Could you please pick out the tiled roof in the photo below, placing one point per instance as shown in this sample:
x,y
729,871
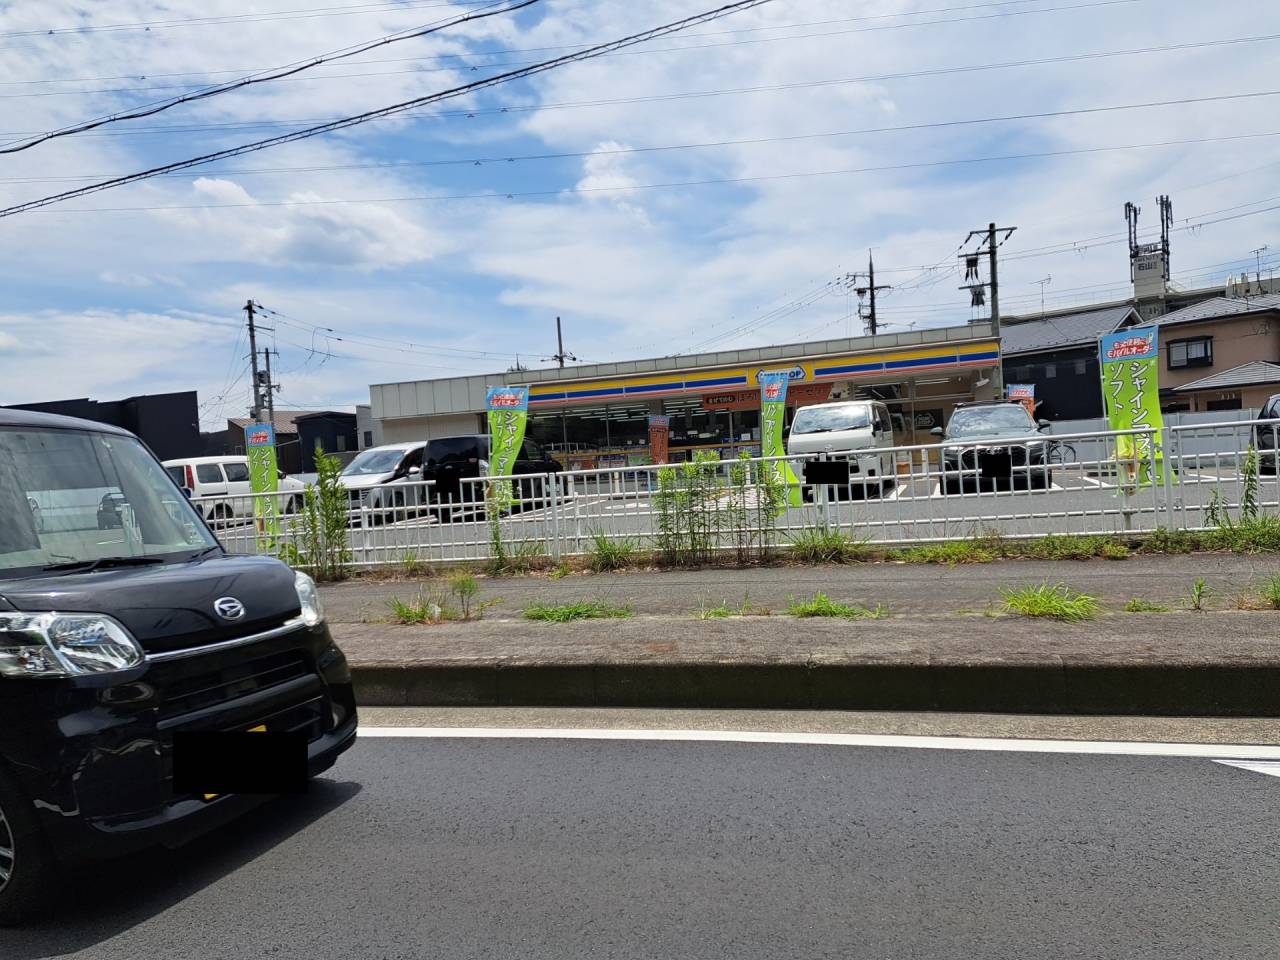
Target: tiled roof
x,y
1246,375
1221,307
1066,330
284,421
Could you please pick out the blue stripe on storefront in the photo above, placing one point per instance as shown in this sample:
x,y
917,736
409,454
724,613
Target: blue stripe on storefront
x,y
716,382
920,362
849,368
655,387
606,392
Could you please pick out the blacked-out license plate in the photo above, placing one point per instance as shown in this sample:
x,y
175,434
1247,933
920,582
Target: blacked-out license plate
x,y
210,764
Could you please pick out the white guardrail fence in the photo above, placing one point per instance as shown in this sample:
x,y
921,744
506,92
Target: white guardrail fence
x,y
1186,477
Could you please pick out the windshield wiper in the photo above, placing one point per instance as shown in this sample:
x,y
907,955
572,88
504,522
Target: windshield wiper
x,y
101,563
207,551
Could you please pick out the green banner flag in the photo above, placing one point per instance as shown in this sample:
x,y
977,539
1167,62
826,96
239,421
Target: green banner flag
x,y
773,417
264,477
508,414
1131,389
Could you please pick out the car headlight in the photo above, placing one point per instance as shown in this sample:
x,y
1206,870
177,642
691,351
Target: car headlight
x,y
64,645
308,599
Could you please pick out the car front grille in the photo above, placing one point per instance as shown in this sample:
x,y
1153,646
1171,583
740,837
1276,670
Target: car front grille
x,y
229,681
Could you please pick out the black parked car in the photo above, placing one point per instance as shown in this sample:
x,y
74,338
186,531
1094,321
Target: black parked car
x,y
1265,436
449,461
109,511
993,445
115,645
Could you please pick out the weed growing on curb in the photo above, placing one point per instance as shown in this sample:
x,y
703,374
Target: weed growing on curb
x,y
817,545
1055,602
820,605
577,610
560,571
722,612
1199,595
1138,605
423,608
607,553
463,586
1271,592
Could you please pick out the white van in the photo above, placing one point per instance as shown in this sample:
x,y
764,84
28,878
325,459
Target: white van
x,y
227,477
858,427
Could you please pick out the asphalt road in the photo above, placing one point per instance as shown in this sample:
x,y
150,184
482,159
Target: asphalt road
x,y
560,849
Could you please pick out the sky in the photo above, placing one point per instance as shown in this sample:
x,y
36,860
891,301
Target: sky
x,y
709,190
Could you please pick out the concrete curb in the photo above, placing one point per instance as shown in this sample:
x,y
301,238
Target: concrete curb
x,y
1048,685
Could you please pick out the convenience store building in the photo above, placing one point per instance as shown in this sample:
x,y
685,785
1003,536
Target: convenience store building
x,y
597,415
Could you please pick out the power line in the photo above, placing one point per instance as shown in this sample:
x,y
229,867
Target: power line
x,y
709,181
398,345
373,116
629,53
383,6
267,76
344,123
749,141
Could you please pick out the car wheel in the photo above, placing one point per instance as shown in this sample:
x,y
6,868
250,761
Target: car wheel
x,y
28,872
293,505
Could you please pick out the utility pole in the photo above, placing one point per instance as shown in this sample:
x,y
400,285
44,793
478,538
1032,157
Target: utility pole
x,y
871,288
255,412
271,389
560,356
988,245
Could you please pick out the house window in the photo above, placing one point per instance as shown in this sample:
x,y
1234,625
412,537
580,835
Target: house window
x,y
342,443
368,438
1196,352
1082,367
1050,371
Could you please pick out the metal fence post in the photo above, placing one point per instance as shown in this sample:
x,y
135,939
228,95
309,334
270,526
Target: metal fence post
x,y
553,483
1166,458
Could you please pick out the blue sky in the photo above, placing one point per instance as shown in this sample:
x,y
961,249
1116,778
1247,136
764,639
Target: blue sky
x,y
124,301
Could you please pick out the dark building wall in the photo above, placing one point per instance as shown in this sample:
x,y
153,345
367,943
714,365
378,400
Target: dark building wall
x,y
1068,382
169,423
333,433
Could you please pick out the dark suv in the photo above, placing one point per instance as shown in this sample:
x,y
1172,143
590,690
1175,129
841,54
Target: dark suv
x,y
117,640
993,445
1266,435
449,462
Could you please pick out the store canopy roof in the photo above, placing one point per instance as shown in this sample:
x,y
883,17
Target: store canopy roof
x,y
1250,374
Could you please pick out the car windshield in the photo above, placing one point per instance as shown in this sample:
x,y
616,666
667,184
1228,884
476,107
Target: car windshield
x,y
70,496
1009,418
851,416
374,462
456,449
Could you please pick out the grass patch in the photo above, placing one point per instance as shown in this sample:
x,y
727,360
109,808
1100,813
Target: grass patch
x,y
949,552
1253,535
724,611
1169,541
820,605
1271,593
1138,605
423,608
1055,602
577,610
560,570
610,553
817,545
460,602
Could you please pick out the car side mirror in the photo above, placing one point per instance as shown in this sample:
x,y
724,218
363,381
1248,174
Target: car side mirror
x,y
413,470
936,431
1042,424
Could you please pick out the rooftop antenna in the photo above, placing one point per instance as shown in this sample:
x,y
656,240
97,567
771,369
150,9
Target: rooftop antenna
x,y
1044,283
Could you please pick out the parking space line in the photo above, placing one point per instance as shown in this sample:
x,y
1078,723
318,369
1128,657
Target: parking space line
x,y
1097,483
1269,767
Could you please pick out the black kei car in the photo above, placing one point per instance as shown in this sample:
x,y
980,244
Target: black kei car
x,y
1266,435
994,445
449,462
117,643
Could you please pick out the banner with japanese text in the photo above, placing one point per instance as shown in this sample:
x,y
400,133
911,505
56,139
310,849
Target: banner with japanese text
x,y
508,415
1025,393
659,439
773,418
264,477
1131,389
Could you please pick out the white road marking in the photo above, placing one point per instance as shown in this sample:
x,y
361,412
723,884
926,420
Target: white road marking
x,y
1096,483
1270,767
1213,751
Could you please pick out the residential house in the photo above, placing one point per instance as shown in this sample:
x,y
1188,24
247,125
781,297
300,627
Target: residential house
x,y
1221,354
330,432
288,449
1057,352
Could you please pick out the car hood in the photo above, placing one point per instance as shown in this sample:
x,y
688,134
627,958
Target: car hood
x,y
170,606
366,480
994,438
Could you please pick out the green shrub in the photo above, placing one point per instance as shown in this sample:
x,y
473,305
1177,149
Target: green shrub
x,y
1162,540
1055,602
1271,592
320,541
950,552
